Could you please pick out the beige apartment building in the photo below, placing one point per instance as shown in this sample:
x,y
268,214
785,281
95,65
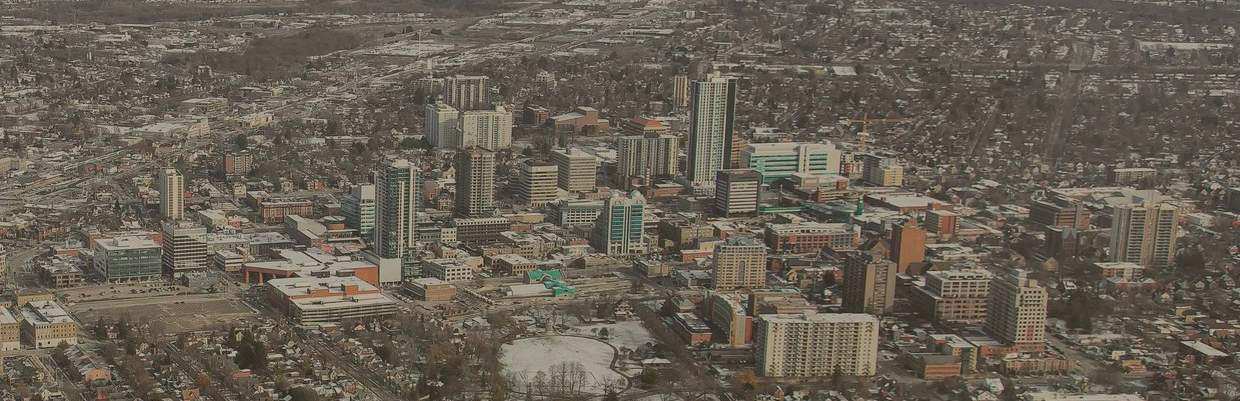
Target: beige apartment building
x,y
1016,313
816,345
740,263
956,296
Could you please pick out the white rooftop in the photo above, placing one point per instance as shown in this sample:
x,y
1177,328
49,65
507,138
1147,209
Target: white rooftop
x,y
126,242
45,312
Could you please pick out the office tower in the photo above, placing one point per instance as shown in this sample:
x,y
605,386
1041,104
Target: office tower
x,y
1016,311
475,182
882,171
816,344
577,169
184,249
467,93
781,160
171,194
491,129
646,156
396,198
1144,233
618,230
358,208
739,263
736,192
908,245
1059,210
869,284
441,125
536,181
710,127
680,92
942,222
955,296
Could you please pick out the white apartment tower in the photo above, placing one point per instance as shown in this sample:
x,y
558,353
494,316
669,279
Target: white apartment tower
x,y
440,126
358,208
491,129
646,156
711,119
396,198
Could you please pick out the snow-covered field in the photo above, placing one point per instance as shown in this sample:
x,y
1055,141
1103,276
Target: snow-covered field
x,y
627,334
524,358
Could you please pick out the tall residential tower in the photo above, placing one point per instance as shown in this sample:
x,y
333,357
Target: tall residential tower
x,y
711,119
475,182
171,194
396,200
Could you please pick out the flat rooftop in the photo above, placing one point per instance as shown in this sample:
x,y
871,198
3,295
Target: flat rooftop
x,y
45,312
126,243
7,317
821,317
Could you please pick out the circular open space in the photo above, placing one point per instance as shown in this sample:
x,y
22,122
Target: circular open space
x,y
564,360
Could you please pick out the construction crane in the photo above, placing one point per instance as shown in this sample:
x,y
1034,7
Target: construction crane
x,y
865,120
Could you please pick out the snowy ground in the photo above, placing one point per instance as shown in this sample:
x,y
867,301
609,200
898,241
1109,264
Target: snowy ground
x,y
525,357
624,334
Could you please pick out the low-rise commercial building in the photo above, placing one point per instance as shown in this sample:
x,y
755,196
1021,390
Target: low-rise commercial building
x,y
46,324
274,210
692,330
512,265
810,237
61,272
311,300
128,258
10,331
449,270
482,230
431,289
309,264
1125,271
